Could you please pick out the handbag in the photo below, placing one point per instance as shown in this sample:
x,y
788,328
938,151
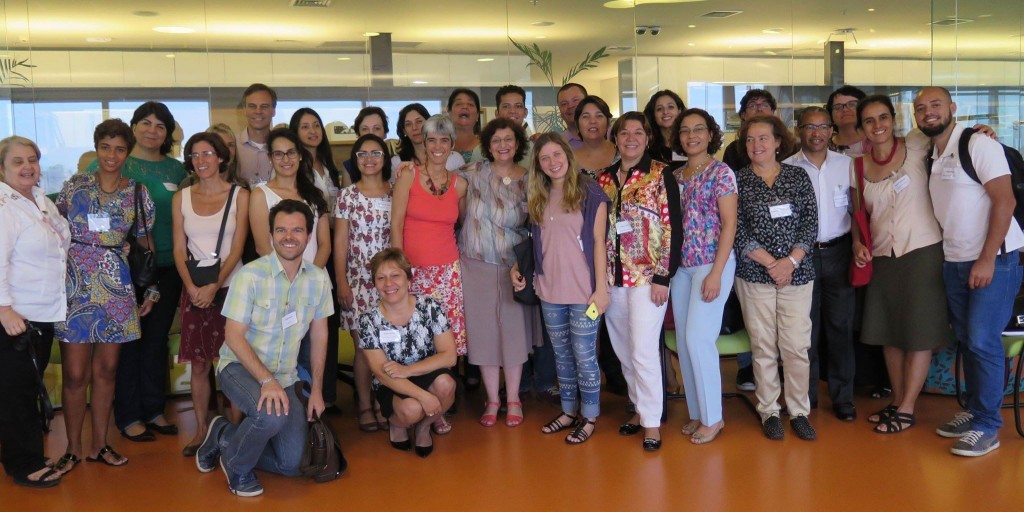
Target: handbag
x,y
861,276
28,342
141,260
527,267
322,459
209,274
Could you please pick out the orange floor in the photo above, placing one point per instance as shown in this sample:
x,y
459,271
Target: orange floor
x,y
474,468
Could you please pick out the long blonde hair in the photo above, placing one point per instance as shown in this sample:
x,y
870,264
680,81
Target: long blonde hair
x,y
538,185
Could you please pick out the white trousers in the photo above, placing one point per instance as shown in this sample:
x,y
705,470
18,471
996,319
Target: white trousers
x,y
634,328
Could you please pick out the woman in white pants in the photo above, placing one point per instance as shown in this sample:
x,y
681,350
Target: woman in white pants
x,y
643,253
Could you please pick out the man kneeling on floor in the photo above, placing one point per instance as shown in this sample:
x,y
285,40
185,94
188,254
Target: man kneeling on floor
x,y
270,305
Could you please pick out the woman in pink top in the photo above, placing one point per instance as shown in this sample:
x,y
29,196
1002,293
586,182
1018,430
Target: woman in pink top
x,y
424,210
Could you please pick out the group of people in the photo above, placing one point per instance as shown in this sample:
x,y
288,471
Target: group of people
x,y
269,249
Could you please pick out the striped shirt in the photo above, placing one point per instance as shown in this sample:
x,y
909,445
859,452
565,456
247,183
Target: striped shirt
x,y
262,297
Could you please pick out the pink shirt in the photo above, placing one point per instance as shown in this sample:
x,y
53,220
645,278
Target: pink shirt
x,y
429,234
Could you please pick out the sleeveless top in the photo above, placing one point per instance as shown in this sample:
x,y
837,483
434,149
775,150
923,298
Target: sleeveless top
x,y
429,234
201,230
272,199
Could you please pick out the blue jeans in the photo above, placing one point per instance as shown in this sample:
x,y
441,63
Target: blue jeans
x,y
262,441
697,326
574,340
978,318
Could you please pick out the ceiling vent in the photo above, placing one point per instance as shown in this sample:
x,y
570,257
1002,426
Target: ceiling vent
x,y
311,3
720,14
948,22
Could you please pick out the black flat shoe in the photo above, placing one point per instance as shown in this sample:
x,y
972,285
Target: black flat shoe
x,y
167,430
651,445
145,437
629,429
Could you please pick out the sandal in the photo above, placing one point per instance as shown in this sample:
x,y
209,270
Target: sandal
x,y
698,438
691,427
121,460
369,426
490,420
895,423
557,425
66,463
881,392
514,420
441,426
881,415
42,482
579,435
382,422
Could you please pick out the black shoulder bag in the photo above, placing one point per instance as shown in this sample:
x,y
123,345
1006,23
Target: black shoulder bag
x,y
141,260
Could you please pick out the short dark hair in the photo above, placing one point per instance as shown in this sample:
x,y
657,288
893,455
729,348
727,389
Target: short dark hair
x,y
113,128
257,87
813,109
630,116
846,90
492,127
371,111
570,85
292,206
779,130
714,131
218,147
476,100
405,150
874,98
597,102
155,108
393,255
508,89
656,141
754,94
354,161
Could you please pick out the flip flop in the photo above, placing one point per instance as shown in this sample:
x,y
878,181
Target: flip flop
x,y
41,482
66,463
122,460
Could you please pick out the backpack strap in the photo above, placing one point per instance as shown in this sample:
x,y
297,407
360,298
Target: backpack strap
x,y
964,151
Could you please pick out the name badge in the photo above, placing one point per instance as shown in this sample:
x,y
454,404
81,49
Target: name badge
x,y
781,210
99,222
171,187
289,320
382,205
622,227
390,336
841,199
902,183
949,173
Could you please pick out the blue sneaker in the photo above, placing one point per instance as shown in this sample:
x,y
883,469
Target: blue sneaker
x,y
206,455
245,485
975,443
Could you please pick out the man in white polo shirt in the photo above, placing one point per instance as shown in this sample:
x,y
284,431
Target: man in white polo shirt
x,y
982,272
833,301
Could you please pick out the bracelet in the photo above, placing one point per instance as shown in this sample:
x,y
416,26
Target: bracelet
x,y
266,381
152,294
796,264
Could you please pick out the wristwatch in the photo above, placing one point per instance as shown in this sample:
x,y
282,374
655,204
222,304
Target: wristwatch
x,y
796,264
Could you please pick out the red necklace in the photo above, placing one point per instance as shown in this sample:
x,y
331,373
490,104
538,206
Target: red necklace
x,y
880,163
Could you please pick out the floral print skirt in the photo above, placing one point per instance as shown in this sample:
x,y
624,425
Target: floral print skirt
x,y
444,284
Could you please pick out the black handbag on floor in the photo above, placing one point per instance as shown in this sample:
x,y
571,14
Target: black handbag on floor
x,y
527,267
141,260
202,276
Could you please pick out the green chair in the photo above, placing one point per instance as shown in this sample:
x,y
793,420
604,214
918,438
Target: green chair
x,y
728,345
1013,345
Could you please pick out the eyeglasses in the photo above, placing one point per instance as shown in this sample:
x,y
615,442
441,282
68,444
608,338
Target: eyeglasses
x,y
207,153
363,155
279,155
759,106
849,105
815,127
698,130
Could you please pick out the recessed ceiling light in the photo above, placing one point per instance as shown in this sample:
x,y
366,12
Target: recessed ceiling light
x,y
344,58
773,31
984,16
419,82
871,9
542,37
169,55
691,44
98,39
371,34
542,23
486,59
174,30
871,30
145,14
691,26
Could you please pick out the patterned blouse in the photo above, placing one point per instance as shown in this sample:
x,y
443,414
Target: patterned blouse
x,y
415,340
644,249
495,219
702,225
792,203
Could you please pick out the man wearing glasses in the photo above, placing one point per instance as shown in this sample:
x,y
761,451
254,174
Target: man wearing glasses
x,y
259,104
832,305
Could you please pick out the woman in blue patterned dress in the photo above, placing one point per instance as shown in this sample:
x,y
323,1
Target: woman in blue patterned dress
x,y
102,312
